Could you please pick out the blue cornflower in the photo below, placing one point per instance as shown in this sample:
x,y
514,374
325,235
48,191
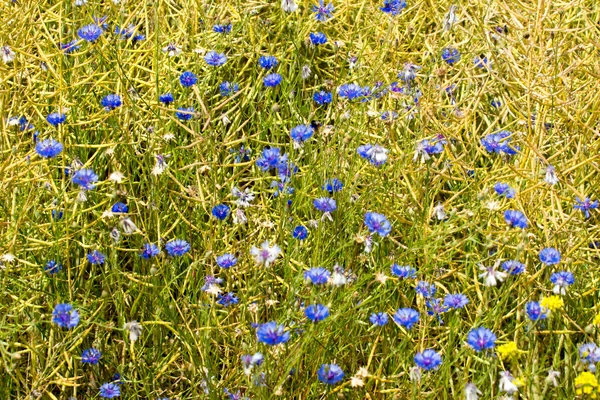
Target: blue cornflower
x,y
589,354
111,101
226,260
85,178
376,154
301,133
481,61
57,215
150,250
96,258
427,148
267,62
316,312
272,80
65,316
48,148
586,205
406,317
56,119
425,289
177,247
496,103
504,190
393,7
330,374
185,114
377,223
227,299
188,79
450,55
221,211
322,12
457,300
481,339
128,33
515,219
227,88
318,38
119,207
215,59
210,282
269,159
110,390
549,256
379,319
300,232
52,267
350,91
436,307
333,185
389,115
90,33
325,204
513,267
222,28
166,98
428,359
272,334
499,143
322,97
91,356
561,281
403,271
317,275
534,311
69,47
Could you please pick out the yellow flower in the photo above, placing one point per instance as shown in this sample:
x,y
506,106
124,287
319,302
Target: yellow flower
x,y
507,350
586,383
596,320
552,303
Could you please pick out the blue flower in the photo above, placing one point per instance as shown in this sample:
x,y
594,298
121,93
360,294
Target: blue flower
x,y
377,223
330,374
90,33
450,55
272,80
549,256
496,103
57,215
515,219
111,101
69,47
85,178
301,133
267,62
317,275
269,159
300,232
425,289
513,267
166,98
65,316
428,359
222,28
374,153
389,115
96,258
322,97
406,317
227,88
52,267
403,271
325,204
215,59
499,143
316,312
56,119
562,280
210,281
351,91
333,185
534,311
481,61
110,390
318,38
119,207
177,247
481,339
227,299
379,319
586,205
48,148
221,211
185,114
226,260
393,7
272,334
150,250
431,147
91,356
323,12
455,301
188,79
504,190
589,354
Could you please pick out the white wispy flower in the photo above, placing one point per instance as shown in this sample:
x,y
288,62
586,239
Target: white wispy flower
x,y
127,226
551,178
8,55
552,377
415,374
243,198
81,2
355,381
81,196
135,330
306,71
338,278
439,212
491,276
239,217
8,257
289,5
160,166
450,18
172,50
266,255
506,383
471,392
116,177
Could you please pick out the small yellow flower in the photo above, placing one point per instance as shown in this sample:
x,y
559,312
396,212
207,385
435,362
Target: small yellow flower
x,y
596,320
586,383
552,303
518,382
507,350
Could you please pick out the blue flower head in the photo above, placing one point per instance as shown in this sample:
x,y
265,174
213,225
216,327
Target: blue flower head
x,y
272,80
562,280
69,47
188,79
52,267
301,133
269,159
333,185
586,205
502,189
48,148
227,299
65,316
318,38
455,301
425,289
227,88
330,374
85,179
185,114
428,359
56,119
119,207
377,223
351,91
450,55
379,319
166,98
177,247
272,334
267,62
403,271
325,204
300,232
316,312
91,356
221,211
406,317
513,267
323,12
215,59
57,215
150,250
393,7
499,143
481,339
90,33
226,260
225,28
534,311
515,219
317,275
549,256
96,258
111,101
322,97
110,390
